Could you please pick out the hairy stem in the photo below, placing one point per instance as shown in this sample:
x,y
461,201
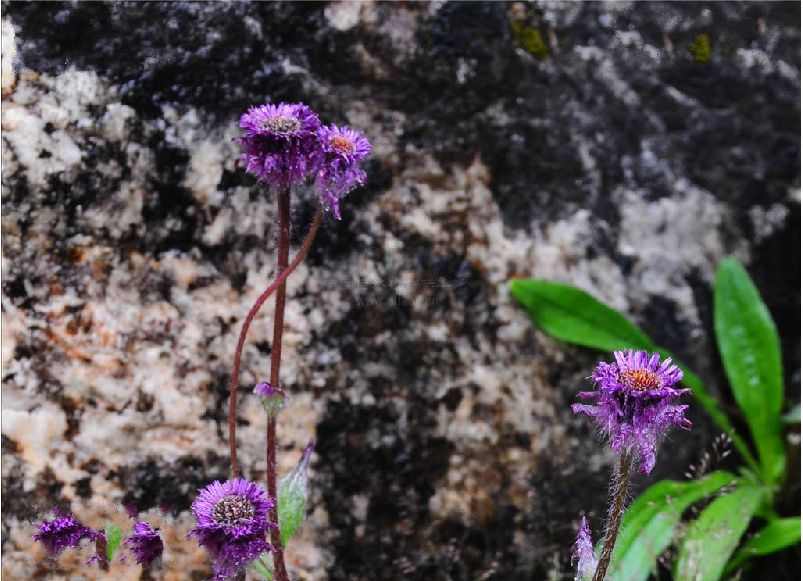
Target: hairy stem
x,y
275,365
235,372
621,486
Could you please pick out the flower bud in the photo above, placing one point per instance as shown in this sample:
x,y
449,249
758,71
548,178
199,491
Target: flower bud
x,y
272,398
583,553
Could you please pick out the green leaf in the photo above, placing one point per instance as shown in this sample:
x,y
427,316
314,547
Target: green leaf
x,y
777,535
710,540
574,316
262,565
293,497
113,537
292,509
751,354
649,524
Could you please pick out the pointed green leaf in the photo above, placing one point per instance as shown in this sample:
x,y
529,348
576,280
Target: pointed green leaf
x,y
292,506
711,539
574,316
751,354
292,509
777,535
649,525
113,537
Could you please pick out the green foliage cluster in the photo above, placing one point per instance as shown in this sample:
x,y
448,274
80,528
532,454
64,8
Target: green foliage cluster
x,y
530,39
708,546
700,49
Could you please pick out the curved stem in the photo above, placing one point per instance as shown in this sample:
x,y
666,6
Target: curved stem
x,y
621,486
235,372
275,365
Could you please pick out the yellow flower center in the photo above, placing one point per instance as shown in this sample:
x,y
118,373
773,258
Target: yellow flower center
x,y
640,379
342,144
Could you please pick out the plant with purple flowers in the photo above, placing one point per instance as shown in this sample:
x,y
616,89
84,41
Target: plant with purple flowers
x,y
65,531
635,407
239,522
635,404
284,146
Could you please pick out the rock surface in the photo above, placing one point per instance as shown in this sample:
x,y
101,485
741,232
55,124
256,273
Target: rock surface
x,y
577,142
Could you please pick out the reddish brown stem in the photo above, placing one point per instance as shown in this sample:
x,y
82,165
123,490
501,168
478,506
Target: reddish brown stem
x,y
275,365
235,372
100,552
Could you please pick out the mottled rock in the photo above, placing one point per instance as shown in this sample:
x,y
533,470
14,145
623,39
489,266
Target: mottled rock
x,y
578,142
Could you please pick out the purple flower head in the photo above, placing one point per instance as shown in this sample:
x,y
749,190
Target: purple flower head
x,y
634,405
63,531
273,398
232,524
145,543
339,169
280,145
583,553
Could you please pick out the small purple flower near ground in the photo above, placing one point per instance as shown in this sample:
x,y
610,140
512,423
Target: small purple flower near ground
x,y
280,145
62,532
583,553
339,169
635,402
145,543
232,524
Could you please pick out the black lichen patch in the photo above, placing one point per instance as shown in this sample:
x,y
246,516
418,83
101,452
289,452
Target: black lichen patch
x,y
172,485
776,270
28,505
396,471
160,52
663,324
83,487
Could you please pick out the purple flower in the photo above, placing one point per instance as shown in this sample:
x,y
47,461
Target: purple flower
x,y
634,405
339,169
145,543
280,145
583,553
232,524
63,531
